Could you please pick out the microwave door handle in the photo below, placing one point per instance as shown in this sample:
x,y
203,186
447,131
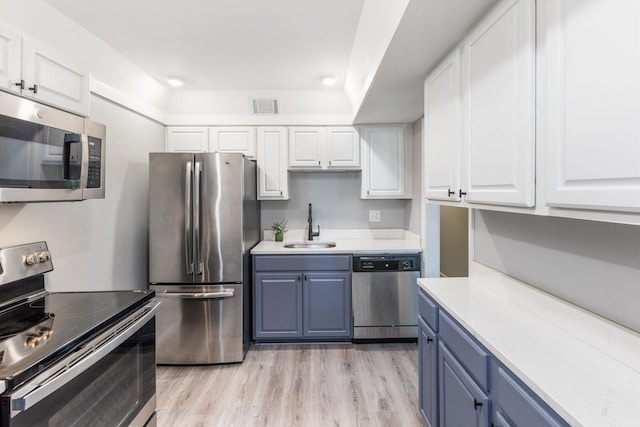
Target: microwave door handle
x,y
196,218
188,243
84,167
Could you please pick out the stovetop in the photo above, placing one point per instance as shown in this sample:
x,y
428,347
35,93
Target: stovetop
x,y
37,333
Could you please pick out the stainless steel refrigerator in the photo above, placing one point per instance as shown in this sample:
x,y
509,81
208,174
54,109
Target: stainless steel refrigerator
x,y
204,218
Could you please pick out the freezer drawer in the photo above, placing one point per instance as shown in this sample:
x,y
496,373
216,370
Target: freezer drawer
x,y
199,324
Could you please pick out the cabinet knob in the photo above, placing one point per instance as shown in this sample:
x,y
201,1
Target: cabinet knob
x,y
34,89
20,84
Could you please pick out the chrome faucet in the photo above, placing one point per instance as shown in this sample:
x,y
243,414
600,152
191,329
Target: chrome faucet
x,y
312,233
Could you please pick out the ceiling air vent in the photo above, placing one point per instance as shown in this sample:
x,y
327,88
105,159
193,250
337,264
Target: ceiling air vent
x,y
265,106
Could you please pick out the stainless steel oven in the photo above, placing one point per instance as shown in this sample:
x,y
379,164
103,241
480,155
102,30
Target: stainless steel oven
x,y
47,154
73,359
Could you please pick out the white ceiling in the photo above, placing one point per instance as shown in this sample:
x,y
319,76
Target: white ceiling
x,y
278,44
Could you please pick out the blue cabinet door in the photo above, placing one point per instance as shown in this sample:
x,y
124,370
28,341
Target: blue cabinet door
x,y
462,402
278,306
327,305
428,372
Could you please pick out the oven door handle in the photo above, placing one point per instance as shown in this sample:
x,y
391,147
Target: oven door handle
x,y
226,293
68,369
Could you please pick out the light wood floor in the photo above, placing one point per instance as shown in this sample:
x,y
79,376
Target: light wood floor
x,y
296,386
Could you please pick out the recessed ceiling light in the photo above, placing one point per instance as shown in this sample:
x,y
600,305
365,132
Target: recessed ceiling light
x,y
175,82
328,80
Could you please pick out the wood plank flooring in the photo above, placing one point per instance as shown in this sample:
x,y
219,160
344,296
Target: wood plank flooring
x,y
315,385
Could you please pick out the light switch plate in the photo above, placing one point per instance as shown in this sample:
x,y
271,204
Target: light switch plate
x,y
374,216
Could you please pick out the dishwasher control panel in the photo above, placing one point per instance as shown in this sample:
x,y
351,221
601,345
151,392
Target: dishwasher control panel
x,y
362,263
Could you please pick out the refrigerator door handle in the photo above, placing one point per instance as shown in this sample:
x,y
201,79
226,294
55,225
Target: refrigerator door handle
x,y
196,218
226,293
188,243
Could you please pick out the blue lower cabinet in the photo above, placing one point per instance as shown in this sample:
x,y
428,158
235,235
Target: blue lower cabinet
x,y
327,305
462,402
428,366
278,306
302,298
470,386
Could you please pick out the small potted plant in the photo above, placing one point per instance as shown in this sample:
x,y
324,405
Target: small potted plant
x,y
279,228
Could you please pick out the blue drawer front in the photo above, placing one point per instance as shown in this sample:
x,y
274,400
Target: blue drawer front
x,y
428,310
475,359
302,263
520,406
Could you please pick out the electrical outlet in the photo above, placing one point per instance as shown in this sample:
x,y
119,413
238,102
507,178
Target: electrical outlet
x,y
374,216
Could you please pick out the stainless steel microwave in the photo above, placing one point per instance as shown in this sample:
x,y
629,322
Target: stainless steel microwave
x,y
48,154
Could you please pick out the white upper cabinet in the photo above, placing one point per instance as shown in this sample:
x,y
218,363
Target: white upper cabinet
x,y
386,163
233,139
187,139
324,148
273,179
592,104
306,147
442,121
10,59
498,72
32,69
343,148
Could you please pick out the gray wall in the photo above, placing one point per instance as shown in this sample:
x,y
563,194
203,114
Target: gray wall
x,y
594,265
336,203
97,244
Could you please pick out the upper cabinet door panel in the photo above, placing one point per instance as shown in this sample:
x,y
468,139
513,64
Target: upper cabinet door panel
x,y
305,147
187,139
343,148
10,59
273,176
498,67
384,168
593,104
442,130
233,139
53,79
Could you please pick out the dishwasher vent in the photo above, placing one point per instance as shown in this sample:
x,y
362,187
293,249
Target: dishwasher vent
x,y
265,106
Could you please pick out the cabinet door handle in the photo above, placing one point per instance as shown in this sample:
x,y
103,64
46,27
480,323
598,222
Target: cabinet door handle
x,y
450,192
329,162
34,88
476,404
429,340
281,193
318,162
462,193
21,84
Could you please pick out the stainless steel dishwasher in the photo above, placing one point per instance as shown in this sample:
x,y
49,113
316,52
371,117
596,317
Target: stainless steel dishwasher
x,y
385,296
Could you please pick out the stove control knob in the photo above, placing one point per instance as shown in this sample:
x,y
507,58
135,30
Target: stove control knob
x,y
31,259
44,256
406,265
32,341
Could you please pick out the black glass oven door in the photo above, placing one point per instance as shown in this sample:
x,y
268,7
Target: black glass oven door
x,y
116,390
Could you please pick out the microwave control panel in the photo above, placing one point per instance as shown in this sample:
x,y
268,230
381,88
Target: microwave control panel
x,y
95,160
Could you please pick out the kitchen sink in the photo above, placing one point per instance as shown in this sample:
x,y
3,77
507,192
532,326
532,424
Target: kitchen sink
x,y
310,245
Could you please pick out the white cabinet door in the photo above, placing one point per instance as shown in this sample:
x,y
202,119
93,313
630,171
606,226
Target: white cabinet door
x,y
343,148
385,163
306,146
498,70
593,104
10,59
273,183
53,79
442,121
233,139
187,139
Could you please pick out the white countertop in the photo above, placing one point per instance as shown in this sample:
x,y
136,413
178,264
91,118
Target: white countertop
x,y
582,365
390,241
